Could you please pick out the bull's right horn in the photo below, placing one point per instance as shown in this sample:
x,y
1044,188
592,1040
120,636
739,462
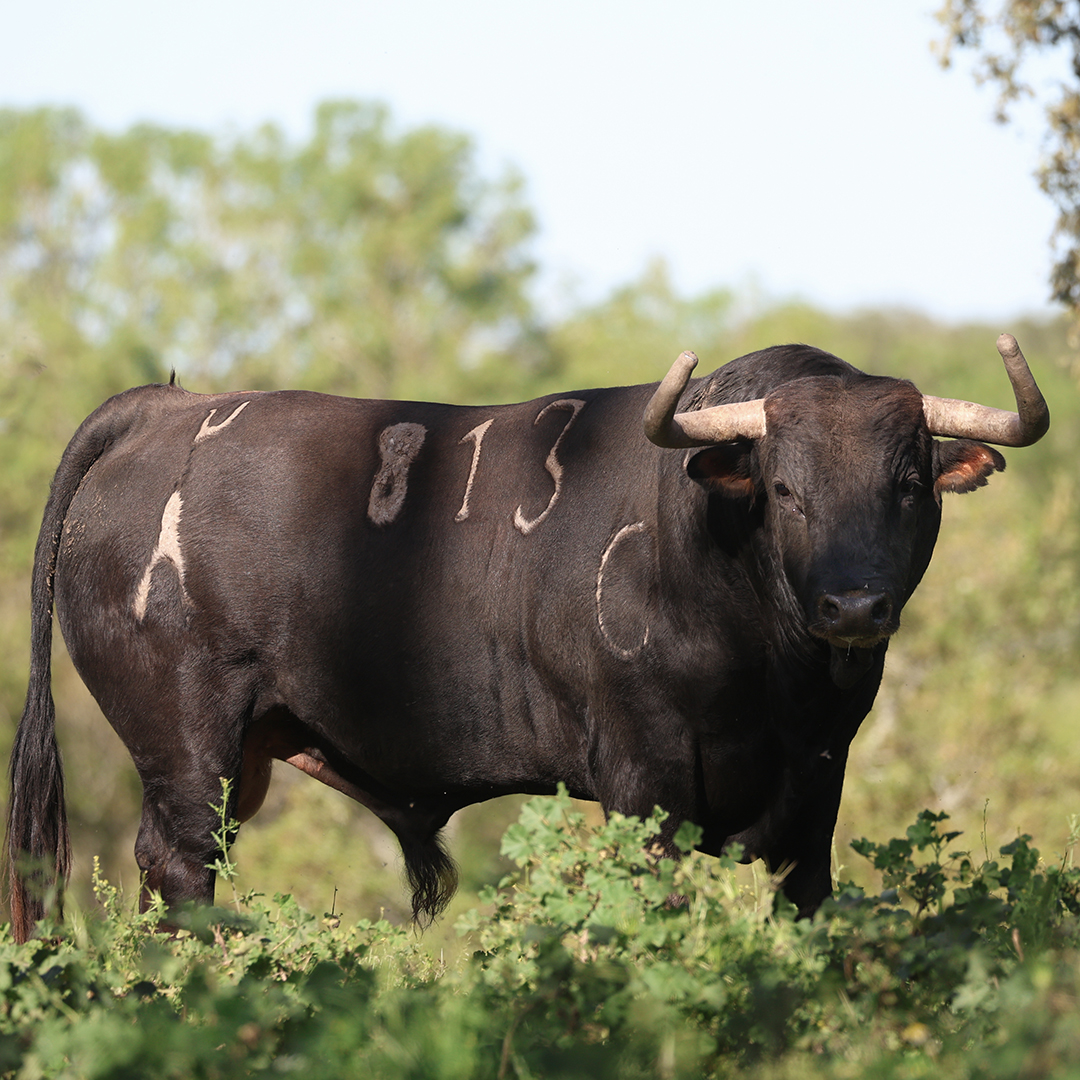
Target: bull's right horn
x,y
699,427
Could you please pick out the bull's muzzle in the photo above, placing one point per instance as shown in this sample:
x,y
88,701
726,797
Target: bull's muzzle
x,y
856,618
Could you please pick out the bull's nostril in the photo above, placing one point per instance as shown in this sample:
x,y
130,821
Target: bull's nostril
x,y
829,608
882,610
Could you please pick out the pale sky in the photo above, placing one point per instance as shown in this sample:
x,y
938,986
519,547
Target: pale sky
x,y
789,148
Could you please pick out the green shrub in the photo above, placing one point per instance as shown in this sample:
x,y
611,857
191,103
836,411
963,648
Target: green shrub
x,y
593,958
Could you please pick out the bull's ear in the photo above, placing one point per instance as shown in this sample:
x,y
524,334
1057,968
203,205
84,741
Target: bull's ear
x,y
964,465
725,468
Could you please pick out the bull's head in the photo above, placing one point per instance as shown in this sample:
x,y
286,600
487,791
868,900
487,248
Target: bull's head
x,y
850,479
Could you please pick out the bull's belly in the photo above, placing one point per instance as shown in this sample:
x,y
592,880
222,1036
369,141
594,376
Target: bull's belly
x,y
465,744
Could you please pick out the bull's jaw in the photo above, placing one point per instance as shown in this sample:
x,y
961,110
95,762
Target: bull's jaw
x,y
848,664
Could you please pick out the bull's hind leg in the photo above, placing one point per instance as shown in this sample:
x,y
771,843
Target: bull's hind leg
x,y
179,838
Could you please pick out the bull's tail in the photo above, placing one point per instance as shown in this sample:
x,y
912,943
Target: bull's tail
x,y
37,845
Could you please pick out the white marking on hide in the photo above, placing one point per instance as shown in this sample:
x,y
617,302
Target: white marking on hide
x,y
167,549
206,430
476,436
553,466
618,538
398,446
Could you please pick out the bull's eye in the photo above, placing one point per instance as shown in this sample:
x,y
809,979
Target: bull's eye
x,y
785,498
907,489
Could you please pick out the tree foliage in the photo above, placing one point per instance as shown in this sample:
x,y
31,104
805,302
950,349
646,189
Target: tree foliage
x,y
360,260
1005,43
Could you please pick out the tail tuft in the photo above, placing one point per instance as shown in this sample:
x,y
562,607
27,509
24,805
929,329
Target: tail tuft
x,y
432,876
38,847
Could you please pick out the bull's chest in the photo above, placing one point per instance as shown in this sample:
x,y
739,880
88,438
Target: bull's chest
x,y
762,758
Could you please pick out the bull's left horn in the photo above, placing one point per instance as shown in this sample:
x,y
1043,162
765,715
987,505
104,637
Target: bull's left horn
x,y
967,420
700,427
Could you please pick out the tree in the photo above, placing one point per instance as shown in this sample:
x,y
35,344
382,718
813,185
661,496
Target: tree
x,y
1004,44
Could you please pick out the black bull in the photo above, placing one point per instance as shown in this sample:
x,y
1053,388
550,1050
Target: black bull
x,y
425,606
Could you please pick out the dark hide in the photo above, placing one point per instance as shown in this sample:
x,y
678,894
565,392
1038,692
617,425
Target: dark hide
x,y
425,606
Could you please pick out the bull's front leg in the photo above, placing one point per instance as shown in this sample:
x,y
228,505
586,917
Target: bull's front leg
x,y
800,849
651,768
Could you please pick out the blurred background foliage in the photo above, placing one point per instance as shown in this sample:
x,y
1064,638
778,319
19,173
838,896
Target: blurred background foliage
x,y
373,261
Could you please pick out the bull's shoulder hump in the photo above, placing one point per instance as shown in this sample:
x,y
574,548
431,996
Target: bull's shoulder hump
x,y
757,374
